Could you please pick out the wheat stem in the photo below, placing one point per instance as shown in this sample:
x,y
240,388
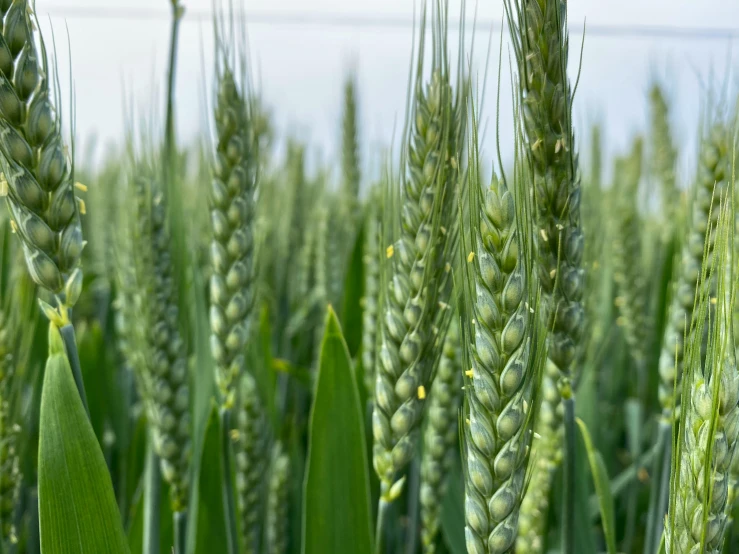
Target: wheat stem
x,y
152,499
70,345
227,489
180,531
568,477
382,511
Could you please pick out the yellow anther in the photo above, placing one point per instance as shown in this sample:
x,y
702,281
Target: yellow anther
x,y
560,227
421,392
234,434
443,305
536,144
544,236
80,186
467,421
470,256
714,300
442,229
389,251
13,226
448,267
552,273
83,208
469,373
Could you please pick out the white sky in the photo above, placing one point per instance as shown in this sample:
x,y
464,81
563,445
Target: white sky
x,y
301,67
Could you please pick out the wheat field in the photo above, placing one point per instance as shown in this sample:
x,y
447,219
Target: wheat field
x,y
222,346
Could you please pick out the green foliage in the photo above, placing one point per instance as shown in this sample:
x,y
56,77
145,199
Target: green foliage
x,y
210,269
77,509
337,513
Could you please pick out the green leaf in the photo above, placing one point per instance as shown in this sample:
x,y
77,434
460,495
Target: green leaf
x,y
202,377
602,489
351,309
77,508
262,364
452,513
164,522
337,514
211,528
94,375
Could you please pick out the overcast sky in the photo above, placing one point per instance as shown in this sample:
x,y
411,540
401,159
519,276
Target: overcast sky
x,y
301,67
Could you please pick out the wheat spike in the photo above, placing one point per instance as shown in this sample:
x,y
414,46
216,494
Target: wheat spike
x,y
251,454
440,437
36,163
712,182
232,248
410,345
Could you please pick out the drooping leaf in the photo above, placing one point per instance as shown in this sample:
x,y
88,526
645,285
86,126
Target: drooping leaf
x,y
337,514
77,508
602,489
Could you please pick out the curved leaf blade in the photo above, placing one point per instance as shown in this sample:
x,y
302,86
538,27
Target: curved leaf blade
x,y
602,488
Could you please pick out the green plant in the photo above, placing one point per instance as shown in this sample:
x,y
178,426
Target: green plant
x,y
541,44
419,280
502,355
709,420
276,516
440,436
36,164
251,452
161,362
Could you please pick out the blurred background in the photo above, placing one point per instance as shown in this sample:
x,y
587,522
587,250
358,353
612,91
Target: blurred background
x,y
302,50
